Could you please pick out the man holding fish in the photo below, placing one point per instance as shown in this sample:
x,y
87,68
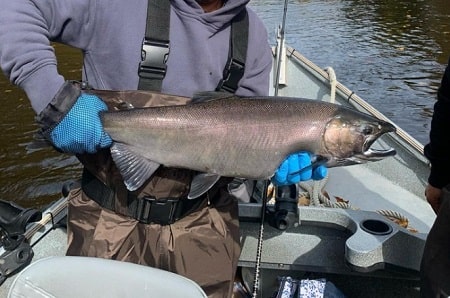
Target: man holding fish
x,y
153,223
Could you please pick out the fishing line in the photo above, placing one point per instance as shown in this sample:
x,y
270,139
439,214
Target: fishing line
x,y
260,241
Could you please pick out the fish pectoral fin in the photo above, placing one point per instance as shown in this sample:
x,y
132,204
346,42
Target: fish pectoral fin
x,y
134,168
206,96
201,183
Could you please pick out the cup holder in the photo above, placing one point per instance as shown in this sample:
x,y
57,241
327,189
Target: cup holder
x,y
376,227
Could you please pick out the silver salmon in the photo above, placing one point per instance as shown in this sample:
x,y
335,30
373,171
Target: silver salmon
x,y
247,137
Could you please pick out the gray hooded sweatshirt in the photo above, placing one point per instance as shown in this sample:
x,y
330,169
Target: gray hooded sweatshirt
x,y
110,34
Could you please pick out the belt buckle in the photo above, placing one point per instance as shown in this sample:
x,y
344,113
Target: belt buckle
x,y
160,211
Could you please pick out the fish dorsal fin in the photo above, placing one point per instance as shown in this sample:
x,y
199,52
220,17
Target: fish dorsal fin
x,y
201,183
206,96
134,168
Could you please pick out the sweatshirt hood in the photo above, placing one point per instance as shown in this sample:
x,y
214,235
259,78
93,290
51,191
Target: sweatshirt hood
x,y
214,20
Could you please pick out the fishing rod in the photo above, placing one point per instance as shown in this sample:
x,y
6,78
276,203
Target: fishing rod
x,y
279,48
256,283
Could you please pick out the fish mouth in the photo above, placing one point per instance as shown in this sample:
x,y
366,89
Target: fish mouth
x,y
373,154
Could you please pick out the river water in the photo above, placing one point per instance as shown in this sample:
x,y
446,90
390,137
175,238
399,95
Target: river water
x,y
390,53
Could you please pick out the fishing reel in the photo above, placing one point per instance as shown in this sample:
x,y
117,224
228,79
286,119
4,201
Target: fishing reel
x,y
286,207
15,251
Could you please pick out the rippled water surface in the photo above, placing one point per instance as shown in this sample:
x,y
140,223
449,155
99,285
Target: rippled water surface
x,y
32,178
390,53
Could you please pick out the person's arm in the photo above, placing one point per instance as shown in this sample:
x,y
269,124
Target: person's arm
x,y
438,149
69,119
27,57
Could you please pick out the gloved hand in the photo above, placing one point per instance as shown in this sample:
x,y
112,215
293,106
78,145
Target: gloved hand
x,y
294,163
81,130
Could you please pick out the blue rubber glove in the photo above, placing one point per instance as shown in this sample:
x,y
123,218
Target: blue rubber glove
x,y
293,164
81,130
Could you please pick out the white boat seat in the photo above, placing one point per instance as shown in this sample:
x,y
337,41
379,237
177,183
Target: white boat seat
x,y
76,277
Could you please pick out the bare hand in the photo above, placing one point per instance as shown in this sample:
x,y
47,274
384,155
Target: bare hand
x,y
433,196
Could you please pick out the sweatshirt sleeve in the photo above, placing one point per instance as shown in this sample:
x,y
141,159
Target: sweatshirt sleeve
x,y
438,149
26,29
258,62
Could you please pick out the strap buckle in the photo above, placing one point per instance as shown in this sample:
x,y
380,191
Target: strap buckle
x,y
233,72
161,211
154,57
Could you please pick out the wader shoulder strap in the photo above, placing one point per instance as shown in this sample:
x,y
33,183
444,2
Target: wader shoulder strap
x,y
155,49
234,69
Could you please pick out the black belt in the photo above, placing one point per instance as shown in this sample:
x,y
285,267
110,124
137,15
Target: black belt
x,y
163,211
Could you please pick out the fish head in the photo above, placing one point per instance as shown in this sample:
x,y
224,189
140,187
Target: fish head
x,y
348,139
